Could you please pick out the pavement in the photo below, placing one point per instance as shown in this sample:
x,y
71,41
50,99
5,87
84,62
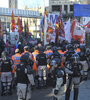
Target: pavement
x,y
46,94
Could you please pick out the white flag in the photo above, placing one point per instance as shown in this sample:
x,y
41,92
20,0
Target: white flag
x,y
67,26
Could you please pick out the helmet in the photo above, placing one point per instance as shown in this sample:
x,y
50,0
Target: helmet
x,y
88,51
17,51
75,58
63,48
54,48
41,49
53,62
82,48
71,50
48,47
19,43
56,61
72,41
5,55
36,47
81,54
26,48
25,59
69,46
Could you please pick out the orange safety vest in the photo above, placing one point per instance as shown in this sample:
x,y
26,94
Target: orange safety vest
x,y
16,60
61,53
47,51
35,53
78,50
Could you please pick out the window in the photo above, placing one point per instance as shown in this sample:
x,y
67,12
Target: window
x,y
65,8
56,7
71,7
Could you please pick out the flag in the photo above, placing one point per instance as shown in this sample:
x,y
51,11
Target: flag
x,y
57,30
1,33
45,13
61,26
67,26
62,32
27,28
43,26
12,22
77,32
50,30
42,29
19,25
46,35
87,25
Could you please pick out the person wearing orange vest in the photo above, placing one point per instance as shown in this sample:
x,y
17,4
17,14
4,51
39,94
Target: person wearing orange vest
x,y
35,53
77,47
16,59
48,53
78,50
61,52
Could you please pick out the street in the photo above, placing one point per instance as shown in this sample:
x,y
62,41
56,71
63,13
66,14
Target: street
x,y
46,94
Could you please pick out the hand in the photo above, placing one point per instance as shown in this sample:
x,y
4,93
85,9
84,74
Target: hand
x,y
32,87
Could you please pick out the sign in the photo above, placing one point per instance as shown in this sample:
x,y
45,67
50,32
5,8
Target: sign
x,y
53,18
81,10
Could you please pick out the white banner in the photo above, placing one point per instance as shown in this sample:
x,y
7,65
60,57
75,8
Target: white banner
x,y
67,26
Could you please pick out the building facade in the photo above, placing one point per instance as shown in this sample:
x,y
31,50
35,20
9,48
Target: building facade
x,y
33,18
13,4
66,6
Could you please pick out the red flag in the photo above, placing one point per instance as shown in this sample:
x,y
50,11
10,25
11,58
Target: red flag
x,y
61,26
19,25
57,30
62,32
77,32
12,22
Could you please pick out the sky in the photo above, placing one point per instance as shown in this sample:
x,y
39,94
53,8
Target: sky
x,y
29,3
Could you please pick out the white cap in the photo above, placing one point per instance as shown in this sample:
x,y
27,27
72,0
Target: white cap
x,y
19,43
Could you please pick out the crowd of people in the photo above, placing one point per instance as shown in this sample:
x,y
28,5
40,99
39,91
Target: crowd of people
x,y
39,66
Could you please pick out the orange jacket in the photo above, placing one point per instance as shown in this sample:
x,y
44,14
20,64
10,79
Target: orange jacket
x,y
61,53
35,53
16,60
47,51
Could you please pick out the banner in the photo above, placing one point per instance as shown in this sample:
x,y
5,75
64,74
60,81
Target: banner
x,y
67,26
52,19
81,10
47,35
77,31
12,22
48,28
